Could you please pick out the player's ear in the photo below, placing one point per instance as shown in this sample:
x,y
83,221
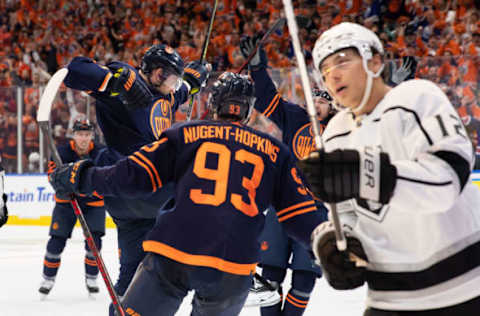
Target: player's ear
x,y
375,63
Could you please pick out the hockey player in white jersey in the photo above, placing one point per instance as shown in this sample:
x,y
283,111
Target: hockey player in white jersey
x,y
397,162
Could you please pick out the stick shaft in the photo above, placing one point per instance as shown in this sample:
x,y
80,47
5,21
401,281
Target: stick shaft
x,y
293,29
204,54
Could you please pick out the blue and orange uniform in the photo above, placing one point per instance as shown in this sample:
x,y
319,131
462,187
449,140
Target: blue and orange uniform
x,y
294,122
126,130
225,174
64,218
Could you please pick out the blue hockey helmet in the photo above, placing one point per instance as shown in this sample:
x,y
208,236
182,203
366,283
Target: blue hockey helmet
x,y
82,125
162,56
232,96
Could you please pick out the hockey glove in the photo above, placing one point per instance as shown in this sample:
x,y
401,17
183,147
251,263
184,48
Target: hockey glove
x,y
405,72
247,46
66,179
341,270
132,90
345,174
3,211
196,75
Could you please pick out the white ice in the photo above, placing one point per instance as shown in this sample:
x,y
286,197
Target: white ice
x,y
21,256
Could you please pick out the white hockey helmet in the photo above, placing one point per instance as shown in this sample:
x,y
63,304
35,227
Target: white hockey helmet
x,y
346,35
349,35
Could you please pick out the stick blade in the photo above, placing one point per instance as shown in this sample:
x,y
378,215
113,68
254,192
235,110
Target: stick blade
x,y
49,94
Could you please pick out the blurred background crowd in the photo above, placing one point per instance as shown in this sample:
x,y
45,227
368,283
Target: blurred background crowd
x,y
39,37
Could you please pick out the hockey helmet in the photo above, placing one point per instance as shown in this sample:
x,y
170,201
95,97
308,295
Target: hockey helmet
x,y
346,35
162,56
232,96
349,35
82,125
323,94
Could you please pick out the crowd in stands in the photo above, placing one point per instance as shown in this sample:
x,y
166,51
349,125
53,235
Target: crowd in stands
x,y
39,37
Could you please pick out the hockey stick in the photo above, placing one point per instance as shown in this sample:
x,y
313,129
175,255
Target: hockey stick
x,y
204,54
43,119
307,90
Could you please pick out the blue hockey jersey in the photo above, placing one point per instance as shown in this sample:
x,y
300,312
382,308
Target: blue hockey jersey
x,y
125,130
226,174
291,118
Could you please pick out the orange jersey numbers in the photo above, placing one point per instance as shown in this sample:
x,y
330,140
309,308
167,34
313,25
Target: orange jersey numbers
x,y
221,174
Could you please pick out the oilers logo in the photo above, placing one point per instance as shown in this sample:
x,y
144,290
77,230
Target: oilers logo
x,y
160,117
303,141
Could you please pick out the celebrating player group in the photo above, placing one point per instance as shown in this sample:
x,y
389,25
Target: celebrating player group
x,y
190,199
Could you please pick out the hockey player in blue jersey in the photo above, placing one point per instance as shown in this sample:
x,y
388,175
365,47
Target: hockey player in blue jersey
x,y
81,146
133,107
226,174
294,122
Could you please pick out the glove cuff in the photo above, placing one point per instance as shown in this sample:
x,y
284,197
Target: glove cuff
x,y
377,176
80,186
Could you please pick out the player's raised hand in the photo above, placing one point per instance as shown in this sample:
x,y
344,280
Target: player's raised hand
x,y
65,179
341,268
247,46
345,174
196,74
132,90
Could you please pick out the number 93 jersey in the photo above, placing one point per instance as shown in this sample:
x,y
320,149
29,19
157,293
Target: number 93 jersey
x,y
226,175
424,246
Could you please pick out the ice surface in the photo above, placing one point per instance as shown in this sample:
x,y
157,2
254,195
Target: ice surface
x,y
21,257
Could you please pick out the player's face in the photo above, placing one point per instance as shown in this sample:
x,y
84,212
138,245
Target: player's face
x,y
164,82
82,139
344,77
322,106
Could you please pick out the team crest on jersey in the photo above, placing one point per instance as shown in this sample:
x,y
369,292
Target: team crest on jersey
x,y
371,209
303,141
160,117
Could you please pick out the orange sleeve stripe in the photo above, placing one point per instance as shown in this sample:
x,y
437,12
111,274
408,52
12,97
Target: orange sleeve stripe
x,y
291,301
272,106
154,185
284,218
302,204
96,203
104,84
150,164
199,260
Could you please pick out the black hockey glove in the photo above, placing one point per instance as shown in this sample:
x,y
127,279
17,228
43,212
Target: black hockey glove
x,y
344,270
247,46
133,91
4,211
66,179
196,75
344,174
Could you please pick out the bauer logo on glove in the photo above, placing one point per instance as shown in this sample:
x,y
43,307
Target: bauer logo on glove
x,y
345,174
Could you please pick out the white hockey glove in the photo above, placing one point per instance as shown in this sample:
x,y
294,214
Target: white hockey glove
x,y
344,270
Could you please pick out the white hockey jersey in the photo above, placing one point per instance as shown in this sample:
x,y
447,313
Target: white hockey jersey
x,y
424,246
